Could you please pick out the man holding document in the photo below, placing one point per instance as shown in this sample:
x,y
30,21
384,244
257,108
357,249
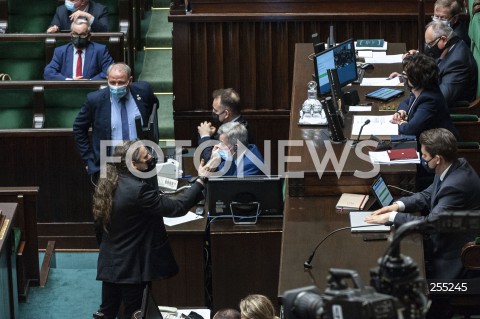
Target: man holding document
x,y
456,187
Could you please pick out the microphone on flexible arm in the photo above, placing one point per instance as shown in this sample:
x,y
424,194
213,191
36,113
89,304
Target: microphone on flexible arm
x,y
360,133
308,263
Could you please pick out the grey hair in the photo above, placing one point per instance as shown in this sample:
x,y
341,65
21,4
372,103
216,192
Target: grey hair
x,y
440,29
454,6
120,65
235,132
80,20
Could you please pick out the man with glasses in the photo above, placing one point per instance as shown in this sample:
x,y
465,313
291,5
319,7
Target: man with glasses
x,y
81,59
96,14
450,12
457,67
225,108
456,187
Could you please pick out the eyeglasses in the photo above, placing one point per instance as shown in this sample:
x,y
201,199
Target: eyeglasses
x,y
434,42
83,36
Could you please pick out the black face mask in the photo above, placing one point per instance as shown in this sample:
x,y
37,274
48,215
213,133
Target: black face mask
x,y
434,52
215,118
151,164
80,43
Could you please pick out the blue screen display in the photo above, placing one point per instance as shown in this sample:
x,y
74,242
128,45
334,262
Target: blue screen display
x,y
342,57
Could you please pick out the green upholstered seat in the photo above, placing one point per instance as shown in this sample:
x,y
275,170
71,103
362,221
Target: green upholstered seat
x,y
30,16
16,108
463,117
63,105
23,60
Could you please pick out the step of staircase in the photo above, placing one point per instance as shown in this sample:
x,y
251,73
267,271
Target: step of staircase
x,y
157,70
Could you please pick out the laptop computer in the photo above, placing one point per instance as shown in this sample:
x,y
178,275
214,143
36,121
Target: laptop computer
x,y
382,193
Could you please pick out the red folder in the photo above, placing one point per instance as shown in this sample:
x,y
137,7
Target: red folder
x,y
402,153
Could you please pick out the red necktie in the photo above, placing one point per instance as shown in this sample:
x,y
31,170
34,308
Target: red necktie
x,y
79,63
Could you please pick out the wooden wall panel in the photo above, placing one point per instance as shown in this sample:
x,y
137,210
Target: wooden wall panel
x,y
253,53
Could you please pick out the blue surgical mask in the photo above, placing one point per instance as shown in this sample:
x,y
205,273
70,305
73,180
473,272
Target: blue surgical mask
x,y
425,165
118,91
70,6
224,154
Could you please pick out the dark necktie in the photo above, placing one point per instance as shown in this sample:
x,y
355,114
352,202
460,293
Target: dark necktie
x,y
79,63
124,116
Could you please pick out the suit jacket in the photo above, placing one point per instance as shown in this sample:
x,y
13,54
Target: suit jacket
x,y
136,247
459,190
458,74
461,31
97,61
429,111
248,166
96,113
99,11
207,152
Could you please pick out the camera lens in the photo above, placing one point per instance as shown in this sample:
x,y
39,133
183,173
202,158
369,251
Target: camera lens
x,y
308,305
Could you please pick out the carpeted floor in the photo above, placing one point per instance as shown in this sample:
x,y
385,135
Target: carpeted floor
x,y
71,290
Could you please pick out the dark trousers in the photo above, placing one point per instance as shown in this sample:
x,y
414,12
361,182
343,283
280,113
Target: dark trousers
x,y
114,294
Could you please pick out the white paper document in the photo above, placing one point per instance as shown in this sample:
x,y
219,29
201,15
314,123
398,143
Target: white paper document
x,y
356,219
180,220
393,58
359,108
383,158
379,125
381,82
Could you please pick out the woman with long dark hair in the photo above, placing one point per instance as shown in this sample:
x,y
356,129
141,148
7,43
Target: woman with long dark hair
x,y
134,248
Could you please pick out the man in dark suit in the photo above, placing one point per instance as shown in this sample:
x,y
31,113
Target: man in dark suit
x,y
456,187
457,67
81,59
450,12
111,112
134,249
225,108
96,14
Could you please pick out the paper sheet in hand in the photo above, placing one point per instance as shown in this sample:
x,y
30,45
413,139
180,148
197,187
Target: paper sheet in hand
x,y
356,219
379,125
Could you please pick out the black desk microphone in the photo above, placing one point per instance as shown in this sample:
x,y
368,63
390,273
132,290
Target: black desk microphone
x,y
360,133
308,263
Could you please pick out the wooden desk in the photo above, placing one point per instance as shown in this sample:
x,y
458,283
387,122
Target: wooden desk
x,y
245,260
312,216
186,289
8,277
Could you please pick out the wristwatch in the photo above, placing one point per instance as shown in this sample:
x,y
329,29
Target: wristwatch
x,y
194,179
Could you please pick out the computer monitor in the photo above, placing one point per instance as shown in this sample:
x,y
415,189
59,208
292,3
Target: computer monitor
x,y
341,57
245,196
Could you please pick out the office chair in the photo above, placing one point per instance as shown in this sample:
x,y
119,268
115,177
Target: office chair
x,y
469,305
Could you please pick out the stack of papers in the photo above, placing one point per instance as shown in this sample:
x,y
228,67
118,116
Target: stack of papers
x,y
383,158
381,82
379,125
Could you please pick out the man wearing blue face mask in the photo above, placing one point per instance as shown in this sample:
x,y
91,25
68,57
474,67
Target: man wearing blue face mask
x,y
450,12
96,14
234,156
456,187
111,112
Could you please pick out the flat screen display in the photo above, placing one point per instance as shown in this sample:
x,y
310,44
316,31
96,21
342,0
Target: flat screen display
x,y
342,57
267,191
381,192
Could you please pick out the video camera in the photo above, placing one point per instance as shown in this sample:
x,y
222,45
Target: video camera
x,y
339,300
